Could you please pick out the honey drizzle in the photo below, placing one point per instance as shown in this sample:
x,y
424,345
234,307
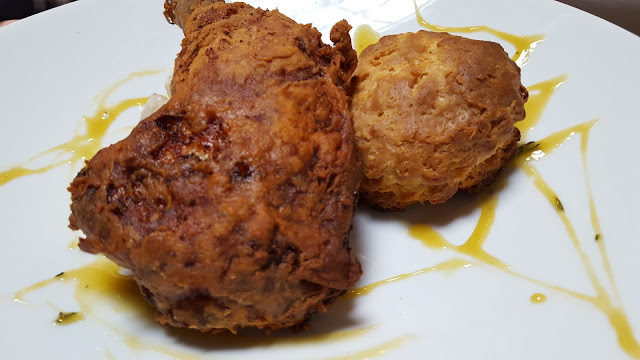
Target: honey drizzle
x,y
616,315
88,137
363,37
99,277
449,265
524,45
602,300
538,298
595,222
109,355
135,342
473,246
552,199
432,239
378,350
83,146
74,244
101,280
539,96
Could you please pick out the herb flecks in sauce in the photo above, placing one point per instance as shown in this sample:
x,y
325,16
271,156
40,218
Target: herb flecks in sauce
x,y
66,318
528,147
101,284
100,278
602,300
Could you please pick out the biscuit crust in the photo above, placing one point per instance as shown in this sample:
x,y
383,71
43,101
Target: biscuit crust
x,y
433,113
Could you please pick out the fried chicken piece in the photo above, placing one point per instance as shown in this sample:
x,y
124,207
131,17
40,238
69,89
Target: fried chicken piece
x,y
433,113
232,203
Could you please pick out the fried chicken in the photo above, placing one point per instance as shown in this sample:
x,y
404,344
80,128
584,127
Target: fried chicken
x,y
433,113
232,203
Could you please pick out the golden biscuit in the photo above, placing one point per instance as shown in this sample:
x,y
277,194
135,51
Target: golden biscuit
x,y
433,113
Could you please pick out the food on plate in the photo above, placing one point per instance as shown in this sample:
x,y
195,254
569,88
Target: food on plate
x,y
232,203
433,113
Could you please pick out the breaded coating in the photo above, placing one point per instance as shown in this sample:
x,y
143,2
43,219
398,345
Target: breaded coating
x,y
433,113
232,203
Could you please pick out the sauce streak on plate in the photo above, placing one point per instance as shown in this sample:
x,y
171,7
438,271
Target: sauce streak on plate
x,y
524,44
88,137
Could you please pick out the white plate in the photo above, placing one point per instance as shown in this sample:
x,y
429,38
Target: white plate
x,y
53,65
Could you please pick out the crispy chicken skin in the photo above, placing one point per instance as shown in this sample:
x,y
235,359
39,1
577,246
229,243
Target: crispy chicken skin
x,y
232,203
433,113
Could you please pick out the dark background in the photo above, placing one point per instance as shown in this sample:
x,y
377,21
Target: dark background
x,y
624,13
18,9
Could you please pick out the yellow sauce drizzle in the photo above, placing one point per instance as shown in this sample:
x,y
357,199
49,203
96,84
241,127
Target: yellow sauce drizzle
x,y
539,95
552,198
100,283
538,298
136,343
552,142
364,36
18,171
449,265
73,245
82,146
524,45
432,239
88,137
378,350
109,355
595,222
102,280
98,280
602,301
473,246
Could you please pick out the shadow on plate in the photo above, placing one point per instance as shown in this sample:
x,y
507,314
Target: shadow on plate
x,y
323,327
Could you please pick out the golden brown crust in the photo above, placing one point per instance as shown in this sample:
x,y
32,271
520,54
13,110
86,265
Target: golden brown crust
x,y
232,203
176,11
430,111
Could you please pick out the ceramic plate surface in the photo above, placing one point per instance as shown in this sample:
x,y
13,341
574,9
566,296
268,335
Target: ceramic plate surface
x,y
531,291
